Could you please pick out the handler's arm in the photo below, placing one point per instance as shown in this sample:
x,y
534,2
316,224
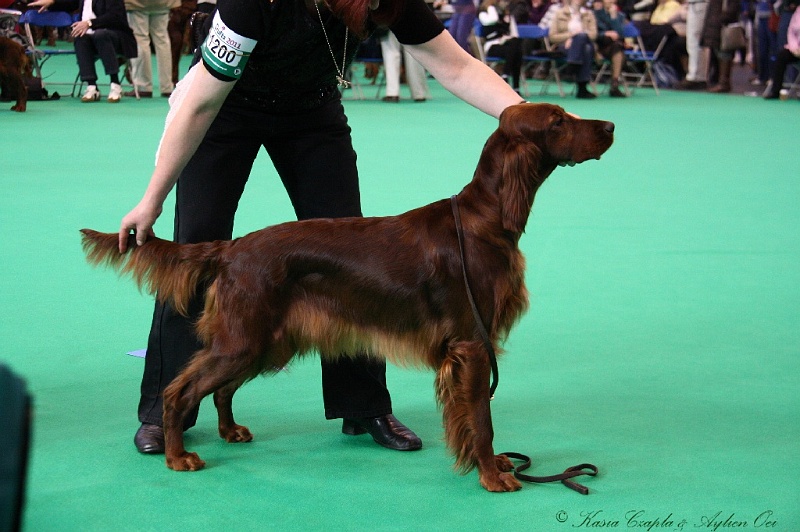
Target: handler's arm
x,y
465,76
183,135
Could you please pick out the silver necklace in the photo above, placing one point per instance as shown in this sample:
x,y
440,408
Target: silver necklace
x,y
343,83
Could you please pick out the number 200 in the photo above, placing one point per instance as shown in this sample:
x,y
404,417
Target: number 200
x,y
222,51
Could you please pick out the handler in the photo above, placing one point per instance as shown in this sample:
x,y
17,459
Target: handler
x,y
268,77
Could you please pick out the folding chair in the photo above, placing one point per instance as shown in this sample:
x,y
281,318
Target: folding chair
x,y
793,86
639,61
55,19
479,43
547,61
353,78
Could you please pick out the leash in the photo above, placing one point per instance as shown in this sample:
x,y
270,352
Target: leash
x,y
569,473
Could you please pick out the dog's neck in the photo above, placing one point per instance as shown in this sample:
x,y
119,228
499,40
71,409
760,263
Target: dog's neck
x,y
505,183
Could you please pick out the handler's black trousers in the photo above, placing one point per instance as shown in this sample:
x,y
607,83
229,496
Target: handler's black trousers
x,y
313,154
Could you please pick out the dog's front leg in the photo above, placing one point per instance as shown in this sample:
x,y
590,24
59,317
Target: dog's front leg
x,y
462,385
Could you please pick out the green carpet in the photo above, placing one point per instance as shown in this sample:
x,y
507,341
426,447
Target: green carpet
x,y
662,342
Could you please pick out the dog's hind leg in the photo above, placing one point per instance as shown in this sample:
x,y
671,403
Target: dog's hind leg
x,y
208,372
228,429
462,385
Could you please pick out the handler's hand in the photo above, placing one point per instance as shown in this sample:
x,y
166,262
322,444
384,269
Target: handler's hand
x,y
140,220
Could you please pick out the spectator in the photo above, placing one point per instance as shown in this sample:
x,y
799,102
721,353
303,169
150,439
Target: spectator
x,y
103,32
462,22
149,20
695,19
610,30
394,54
501,41
789,54
719,13
574,30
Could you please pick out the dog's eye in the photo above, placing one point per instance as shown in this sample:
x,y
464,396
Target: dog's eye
x,y
559,122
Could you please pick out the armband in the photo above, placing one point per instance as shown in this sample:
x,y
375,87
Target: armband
x,y
225,51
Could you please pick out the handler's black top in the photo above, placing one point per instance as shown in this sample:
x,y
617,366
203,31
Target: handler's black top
x,y
277,49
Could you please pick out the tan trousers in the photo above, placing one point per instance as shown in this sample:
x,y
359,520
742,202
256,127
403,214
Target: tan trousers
x,y
147,25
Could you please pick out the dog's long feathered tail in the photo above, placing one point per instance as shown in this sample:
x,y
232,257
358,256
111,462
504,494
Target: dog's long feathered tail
x,y
169,270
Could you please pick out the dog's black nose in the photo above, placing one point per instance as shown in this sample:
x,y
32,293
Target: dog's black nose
x,y
609,127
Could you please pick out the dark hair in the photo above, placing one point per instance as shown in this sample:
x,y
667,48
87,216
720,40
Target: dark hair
x,y
356,14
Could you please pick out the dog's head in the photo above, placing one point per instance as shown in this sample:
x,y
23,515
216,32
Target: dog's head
x,y
560,137
534,139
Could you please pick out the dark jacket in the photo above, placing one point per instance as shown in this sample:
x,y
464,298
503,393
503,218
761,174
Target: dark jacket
x,y
110,15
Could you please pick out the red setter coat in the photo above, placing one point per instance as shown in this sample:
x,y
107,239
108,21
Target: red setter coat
x,y
392,287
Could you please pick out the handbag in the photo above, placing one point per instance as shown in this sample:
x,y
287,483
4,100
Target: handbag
x,y
733,36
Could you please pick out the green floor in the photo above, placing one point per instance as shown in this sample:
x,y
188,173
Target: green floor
x,y
662,342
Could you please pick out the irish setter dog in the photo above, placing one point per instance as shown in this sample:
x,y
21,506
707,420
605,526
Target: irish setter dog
x,y
14,65
392,287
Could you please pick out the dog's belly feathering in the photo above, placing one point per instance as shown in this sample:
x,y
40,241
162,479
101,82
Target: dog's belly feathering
x,y
310,329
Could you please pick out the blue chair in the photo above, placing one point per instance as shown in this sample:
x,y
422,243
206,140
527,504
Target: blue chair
x,y
546,61
54,19
639,61
480,40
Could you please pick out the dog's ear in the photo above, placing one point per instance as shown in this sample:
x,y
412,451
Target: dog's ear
x,y
520,178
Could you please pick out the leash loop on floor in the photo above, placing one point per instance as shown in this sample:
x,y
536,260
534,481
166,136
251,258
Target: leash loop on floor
x,y
564,478
569,473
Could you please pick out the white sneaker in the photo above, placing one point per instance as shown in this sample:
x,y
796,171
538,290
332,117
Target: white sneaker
x,y
91,94
115,94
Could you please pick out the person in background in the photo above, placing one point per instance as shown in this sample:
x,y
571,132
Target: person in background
x,y
462,21
786,9
499,39
574,29
394,54
610,30
789,54
695,78
536,10
149,20
719,13
103,32
179,18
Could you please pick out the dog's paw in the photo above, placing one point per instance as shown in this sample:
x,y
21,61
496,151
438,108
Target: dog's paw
x,y
185,462
236,434
500,482
504,464
20,108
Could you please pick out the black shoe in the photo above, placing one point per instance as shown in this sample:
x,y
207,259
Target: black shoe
x,y
149,439
142,94
391,99
616,93
772,96
385,430
585,95
687,85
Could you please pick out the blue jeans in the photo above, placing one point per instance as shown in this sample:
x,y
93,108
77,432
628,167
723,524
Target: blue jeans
x,y
766,47
581,52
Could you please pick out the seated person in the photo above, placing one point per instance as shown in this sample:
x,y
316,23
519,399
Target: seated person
x,y
499,41
610,30
786,56
103,32
666,19
574,29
